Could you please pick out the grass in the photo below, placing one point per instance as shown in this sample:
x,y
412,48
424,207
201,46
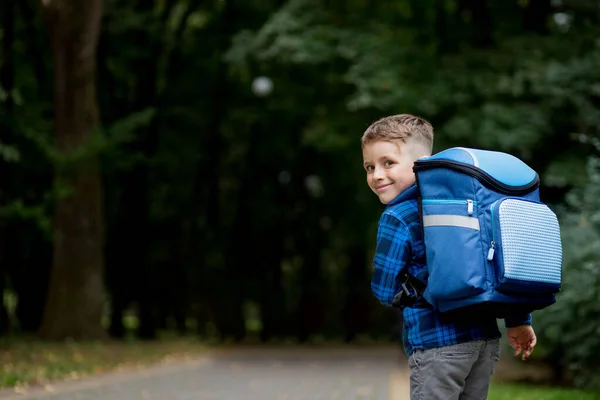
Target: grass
x,y
511,371
508,391
25,362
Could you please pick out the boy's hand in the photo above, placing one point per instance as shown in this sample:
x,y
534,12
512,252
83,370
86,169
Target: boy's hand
x,y
522,339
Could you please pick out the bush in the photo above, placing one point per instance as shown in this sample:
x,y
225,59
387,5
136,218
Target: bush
x,y
569,331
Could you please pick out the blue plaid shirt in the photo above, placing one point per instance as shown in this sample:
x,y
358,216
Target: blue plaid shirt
x,y
399,245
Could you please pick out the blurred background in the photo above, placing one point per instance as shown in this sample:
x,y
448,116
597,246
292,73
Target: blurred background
x,y
195,167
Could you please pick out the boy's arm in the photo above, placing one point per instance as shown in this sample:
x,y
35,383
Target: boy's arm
x,y
391,256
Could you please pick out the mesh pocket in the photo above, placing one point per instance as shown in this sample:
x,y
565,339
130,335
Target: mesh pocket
x,y
531,247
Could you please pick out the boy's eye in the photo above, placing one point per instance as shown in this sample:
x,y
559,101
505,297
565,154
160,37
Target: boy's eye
x,y
388,163
369,168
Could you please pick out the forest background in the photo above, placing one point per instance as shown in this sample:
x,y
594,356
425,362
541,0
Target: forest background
x,y
196,167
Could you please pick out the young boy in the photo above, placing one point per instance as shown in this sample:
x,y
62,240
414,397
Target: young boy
x,y
448,359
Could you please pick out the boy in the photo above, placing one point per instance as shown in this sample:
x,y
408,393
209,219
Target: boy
x,y
448,359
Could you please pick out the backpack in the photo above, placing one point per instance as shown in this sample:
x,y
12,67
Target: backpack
x,y
491,244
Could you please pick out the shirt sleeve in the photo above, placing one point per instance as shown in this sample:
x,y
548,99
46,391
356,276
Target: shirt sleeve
x,y
392,255
517,320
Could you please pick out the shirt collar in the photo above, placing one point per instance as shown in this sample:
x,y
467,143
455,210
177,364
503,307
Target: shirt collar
x,y
408,194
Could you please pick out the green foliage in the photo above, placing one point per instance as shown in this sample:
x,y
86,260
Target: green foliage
x,y
9,154
111,142
569,330
533,95
294,34
506,97
192,160
38,214
108,142
99,141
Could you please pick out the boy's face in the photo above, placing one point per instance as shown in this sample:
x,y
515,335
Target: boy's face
x,y
389,169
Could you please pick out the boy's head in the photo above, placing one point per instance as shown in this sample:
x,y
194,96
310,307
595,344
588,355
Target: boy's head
x,y
390,147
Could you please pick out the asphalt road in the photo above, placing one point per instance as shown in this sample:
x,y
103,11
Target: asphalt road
x,y
260,373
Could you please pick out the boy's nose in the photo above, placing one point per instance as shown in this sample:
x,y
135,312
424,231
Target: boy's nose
x,y
378,174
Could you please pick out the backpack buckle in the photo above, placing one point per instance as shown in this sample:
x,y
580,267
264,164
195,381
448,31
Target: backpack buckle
x,y
410,292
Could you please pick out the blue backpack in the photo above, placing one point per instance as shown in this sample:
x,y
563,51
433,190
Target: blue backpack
x,y
491,245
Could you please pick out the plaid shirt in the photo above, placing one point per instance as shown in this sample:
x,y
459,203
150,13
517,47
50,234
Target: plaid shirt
x,y
399,245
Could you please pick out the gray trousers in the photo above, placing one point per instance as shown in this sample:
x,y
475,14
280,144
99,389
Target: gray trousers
x,y
457,372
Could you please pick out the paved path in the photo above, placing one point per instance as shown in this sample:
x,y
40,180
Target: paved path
x,y
250,374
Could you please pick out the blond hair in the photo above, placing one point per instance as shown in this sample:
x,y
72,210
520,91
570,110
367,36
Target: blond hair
x,y
402,127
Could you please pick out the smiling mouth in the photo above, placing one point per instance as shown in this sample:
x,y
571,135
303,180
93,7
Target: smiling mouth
x,y
382,187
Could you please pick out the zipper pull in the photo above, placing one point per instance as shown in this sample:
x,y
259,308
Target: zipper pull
x,y
470,207
491,251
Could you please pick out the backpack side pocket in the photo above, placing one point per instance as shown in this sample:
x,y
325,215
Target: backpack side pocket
x,y
453,250
528,252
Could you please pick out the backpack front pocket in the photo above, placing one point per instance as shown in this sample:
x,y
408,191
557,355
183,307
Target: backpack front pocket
x,y
526,247
453,247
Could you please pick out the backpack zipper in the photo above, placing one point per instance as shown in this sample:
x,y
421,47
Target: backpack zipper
x,y
482,176
492,249
470,203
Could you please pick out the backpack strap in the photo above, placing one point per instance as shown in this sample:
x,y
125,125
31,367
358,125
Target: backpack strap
x,y
412,288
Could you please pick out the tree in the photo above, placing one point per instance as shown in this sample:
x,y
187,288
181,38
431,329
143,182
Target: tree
x,y
76,295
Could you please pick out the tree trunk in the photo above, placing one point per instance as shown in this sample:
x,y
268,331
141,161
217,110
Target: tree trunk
x,y
76,296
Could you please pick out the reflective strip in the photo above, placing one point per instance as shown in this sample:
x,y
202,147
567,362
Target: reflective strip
x,y
475,160
451,220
